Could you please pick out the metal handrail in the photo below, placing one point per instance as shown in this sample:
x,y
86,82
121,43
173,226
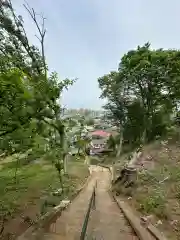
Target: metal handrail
x,y
92,205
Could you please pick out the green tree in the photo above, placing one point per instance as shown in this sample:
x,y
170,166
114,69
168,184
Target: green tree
x,y
152,77
115,92
29,103
144,93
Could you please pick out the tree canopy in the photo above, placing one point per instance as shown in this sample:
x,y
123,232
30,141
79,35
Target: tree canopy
x,y
31,115
144,93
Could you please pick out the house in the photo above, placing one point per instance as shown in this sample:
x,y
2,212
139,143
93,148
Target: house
x,y
98,140
112,131
98,143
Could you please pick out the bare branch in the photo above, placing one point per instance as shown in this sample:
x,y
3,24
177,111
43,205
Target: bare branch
x,y
38,38
20,29
42,32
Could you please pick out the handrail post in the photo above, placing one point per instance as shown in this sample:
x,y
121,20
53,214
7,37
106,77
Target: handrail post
x,y
92,205
94,202
94,196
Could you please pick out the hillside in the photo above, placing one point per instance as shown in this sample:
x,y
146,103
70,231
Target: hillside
x,y
29,192
156,194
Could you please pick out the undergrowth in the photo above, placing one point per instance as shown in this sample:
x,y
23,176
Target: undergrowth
x,y
33,185
157,190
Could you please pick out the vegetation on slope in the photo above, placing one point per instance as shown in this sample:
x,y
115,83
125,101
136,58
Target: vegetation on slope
x,y
143,98
33,191
156,193
32,124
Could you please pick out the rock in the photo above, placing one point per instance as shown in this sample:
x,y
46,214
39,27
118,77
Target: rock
x,y
63,204
28,220
65,201
144,219
164,143
159,222
147,218
150,217
174,222
58,192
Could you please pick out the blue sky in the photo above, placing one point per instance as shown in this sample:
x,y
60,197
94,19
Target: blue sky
x,y
87,38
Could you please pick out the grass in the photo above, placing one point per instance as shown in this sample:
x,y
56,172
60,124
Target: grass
x,y
154,202
33,187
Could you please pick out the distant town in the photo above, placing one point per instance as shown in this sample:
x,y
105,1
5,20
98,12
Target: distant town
x,y
96,126
85,112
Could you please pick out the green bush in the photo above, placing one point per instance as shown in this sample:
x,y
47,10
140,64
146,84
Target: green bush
x,y
154,203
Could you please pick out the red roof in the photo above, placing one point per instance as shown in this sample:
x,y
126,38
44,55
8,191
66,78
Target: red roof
x,y
101,133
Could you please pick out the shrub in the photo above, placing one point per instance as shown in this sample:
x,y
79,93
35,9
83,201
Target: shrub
x,y
154,203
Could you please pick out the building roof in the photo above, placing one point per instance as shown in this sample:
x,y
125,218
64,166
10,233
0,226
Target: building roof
x,y
100,133
112,131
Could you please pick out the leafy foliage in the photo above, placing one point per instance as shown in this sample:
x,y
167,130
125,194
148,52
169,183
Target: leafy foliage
x,y
31,115
143,95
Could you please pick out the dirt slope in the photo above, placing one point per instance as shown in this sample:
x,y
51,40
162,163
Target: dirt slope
x,y
157,192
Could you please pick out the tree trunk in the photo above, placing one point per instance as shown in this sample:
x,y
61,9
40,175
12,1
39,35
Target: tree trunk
x,y
118,153
120,144
86,160
65,163
16,170
79,151
143,138
61,181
